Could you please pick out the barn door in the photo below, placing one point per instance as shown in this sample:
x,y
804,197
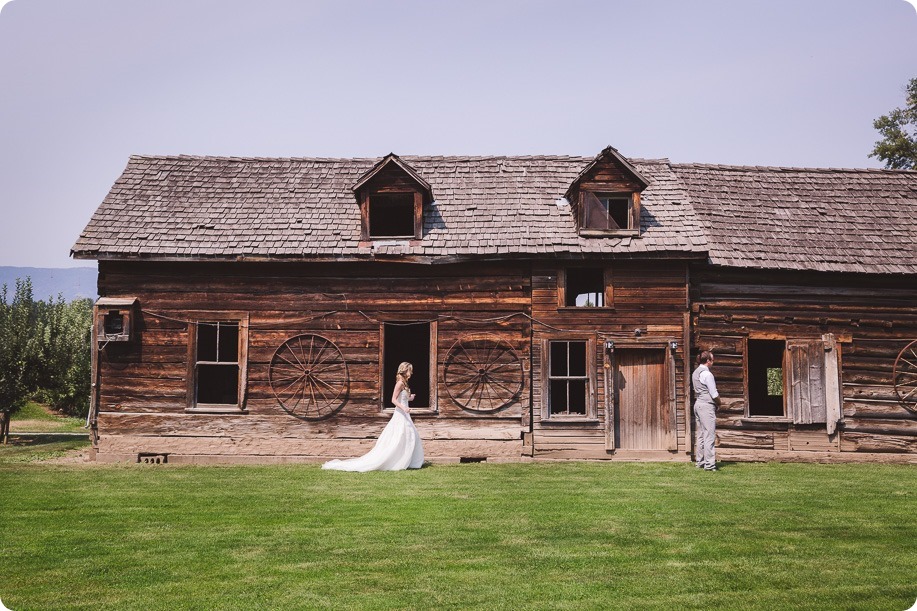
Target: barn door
x,y
644,399
813,388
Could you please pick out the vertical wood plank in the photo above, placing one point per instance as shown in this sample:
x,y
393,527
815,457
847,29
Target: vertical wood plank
x,y
610,388
833,399
668,424
434,359
191,379
609,287
243,360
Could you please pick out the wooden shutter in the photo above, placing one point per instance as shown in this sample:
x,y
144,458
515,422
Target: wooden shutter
x,y
834,398
806,398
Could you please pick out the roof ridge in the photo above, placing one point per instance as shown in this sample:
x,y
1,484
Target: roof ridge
x,y
763,168
452,158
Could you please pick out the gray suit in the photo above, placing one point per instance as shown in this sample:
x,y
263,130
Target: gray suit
x,y
705,415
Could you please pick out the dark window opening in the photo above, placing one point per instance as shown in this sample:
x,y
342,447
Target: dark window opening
x,y
606,212
391,215
217,365
411,343
567,379
114,323
585,287
765,377
218,384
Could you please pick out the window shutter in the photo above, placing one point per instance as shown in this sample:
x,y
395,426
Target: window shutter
x,y
806,400
834,397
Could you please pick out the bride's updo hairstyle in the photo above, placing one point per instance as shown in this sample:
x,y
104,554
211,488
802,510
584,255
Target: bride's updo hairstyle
x,y
404,370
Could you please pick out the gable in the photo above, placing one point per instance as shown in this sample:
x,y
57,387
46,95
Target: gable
x,y
605,197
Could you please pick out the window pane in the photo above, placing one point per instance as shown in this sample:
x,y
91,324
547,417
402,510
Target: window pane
x,y
577,396
595,213
229,342
206,341
218,384
558,399
391,215
577,359
559,359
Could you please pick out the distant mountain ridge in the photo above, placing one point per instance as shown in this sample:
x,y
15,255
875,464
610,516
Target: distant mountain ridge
x,y
49,282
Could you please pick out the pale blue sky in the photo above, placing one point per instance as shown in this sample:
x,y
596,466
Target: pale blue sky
x,y
86,83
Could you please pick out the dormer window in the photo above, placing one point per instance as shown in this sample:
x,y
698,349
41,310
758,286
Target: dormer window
x,y
392,215
608,211
605,197
391,197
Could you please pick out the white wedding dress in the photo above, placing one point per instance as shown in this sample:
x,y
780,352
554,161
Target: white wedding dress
x,y
397,448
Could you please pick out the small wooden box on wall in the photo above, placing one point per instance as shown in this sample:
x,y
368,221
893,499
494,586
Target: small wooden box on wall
x,y
114,319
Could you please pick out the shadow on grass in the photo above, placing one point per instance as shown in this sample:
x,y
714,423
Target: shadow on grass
x,y
33,447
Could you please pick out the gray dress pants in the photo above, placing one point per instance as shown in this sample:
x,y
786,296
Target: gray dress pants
x,y
705,449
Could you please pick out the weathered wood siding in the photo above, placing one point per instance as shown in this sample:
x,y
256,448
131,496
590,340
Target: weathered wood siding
x,y
144,383
647,296
872,319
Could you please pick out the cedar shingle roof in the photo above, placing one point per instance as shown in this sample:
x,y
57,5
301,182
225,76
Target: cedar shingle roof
x,y
222,207
761,217
837,220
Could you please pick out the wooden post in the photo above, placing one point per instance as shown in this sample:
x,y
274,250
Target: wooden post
x,y
4,427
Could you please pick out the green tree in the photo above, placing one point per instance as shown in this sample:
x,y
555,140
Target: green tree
x,y
44,351
64,332
898,146
20,358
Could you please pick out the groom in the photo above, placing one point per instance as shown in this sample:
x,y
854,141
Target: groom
x,y
706,401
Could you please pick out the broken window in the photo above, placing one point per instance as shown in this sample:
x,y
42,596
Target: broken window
x,y
568,378
408,342
391,215
766,377
585,287
607,212
217,365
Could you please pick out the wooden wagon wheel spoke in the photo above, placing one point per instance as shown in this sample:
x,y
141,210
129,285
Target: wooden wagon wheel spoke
x,y
309,377
327,367
904,377
470,388
483,373
506,388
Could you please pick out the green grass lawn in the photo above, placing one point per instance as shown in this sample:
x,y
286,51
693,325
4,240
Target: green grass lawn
x,y
512,536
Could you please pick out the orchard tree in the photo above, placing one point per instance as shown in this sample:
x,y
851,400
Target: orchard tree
x,y
898,146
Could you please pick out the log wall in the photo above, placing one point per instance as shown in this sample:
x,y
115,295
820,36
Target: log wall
x,y
144,405
872,319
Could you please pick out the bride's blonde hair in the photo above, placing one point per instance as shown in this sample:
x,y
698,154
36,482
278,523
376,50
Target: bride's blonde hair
x,y
404,368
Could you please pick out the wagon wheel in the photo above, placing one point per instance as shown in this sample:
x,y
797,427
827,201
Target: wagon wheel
x,y
905,377
309,377
483,374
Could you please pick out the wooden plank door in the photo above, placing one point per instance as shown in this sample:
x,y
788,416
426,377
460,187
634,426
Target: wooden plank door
x,y
644,418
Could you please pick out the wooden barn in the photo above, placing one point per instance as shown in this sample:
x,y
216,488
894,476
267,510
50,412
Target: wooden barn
x,y
256,309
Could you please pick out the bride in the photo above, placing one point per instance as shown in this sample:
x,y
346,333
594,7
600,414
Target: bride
x,y
398,447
